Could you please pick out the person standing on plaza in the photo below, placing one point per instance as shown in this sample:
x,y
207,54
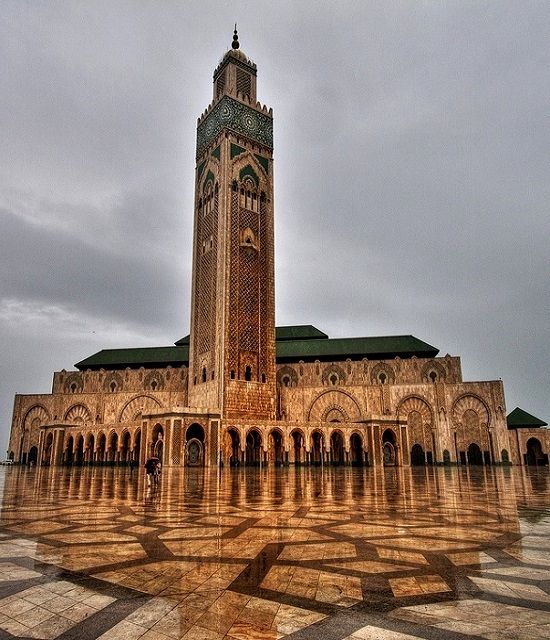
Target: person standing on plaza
x,y
158,469
150,470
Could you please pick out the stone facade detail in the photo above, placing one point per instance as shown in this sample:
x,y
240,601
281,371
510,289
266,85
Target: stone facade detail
x,y
250,121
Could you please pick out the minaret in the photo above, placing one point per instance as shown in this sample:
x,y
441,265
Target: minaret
x,y
232,348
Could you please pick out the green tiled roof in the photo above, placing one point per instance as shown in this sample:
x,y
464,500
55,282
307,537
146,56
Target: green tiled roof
x,y
519,418
294,343
293,332
381,348
145,357
299,332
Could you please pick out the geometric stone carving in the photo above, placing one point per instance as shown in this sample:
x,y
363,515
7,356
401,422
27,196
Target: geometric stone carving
x,y
154,381
139,405
333,375
113,382
78,414
73,384
433,372
36,416
233,115
470,403
414,403
334,406
287,377
382,373
419,421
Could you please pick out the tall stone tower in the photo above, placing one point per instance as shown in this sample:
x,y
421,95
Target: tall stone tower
x,y
232,345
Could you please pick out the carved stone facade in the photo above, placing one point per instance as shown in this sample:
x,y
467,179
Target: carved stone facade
x,y
238,391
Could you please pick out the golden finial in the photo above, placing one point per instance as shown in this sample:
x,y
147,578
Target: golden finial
x,y
235,43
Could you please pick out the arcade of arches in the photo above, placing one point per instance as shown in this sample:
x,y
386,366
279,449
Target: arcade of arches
x,y
413,438
176,443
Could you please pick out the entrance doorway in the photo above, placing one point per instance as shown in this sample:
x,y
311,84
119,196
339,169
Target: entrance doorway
x,y
475,457
194,446
535,455
317,448
356,450
297,447
336,448
253,453
276,451
389,448
234,448
418,459
194,453
33,456
68,458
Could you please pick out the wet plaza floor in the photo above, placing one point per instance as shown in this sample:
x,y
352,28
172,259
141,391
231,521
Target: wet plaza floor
x,y
337,553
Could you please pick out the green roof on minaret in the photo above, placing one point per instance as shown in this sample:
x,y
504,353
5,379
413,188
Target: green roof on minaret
x,y
519,419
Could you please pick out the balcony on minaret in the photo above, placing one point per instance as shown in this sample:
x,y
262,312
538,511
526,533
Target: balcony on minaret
x,y
235,75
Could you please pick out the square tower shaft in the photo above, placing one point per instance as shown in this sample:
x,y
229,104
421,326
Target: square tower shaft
x,y
232,345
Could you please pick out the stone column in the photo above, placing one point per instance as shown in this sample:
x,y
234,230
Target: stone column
x,y
168,444
438,455
376,445
495,455
405,453
213,456
57,448
144,453
40,447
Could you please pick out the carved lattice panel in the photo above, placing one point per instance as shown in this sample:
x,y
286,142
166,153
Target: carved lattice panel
x,y
176,443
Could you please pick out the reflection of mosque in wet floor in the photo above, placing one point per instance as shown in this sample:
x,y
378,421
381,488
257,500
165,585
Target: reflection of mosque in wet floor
x,y
267,553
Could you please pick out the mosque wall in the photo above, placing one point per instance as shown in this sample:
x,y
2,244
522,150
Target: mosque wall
x,y
336,412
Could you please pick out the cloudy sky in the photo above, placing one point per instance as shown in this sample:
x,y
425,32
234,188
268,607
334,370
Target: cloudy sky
x,y
412,175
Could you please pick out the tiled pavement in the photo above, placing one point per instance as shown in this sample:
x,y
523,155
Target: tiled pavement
x,y
355,554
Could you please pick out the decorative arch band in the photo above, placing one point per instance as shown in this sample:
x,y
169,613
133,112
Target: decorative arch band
x,y
249,172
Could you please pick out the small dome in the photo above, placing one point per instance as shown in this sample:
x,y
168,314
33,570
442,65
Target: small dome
x,y
236,54
239,54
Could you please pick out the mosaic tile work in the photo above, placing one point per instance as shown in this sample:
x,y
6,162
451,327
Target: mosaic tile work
x,y
334,554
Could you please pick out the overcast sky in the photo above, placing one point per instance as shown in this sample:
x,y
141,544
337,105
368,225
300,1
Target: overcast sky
x,y
412,149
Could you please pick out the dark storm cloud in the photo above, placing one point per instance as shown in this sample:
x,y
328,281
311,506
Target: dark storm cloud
x,y
411,175
99,276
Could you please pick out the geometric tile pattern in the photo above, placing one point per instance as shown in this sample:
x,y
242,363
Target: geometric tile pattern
x,y
337,553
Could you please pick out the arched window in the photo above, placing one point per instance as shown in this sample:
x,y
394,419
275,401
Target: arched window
x,y
433,376
382,378
73,387
112,386
208,197
248,373
204,374
248,196
333,379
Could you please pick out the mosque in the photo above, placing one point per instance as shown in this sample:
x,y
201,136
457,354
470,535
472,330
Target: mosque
x,y
239,390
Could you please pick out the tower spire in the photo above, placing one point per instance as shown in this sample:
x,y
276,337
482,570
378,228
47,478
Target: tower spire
x,y
235,43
